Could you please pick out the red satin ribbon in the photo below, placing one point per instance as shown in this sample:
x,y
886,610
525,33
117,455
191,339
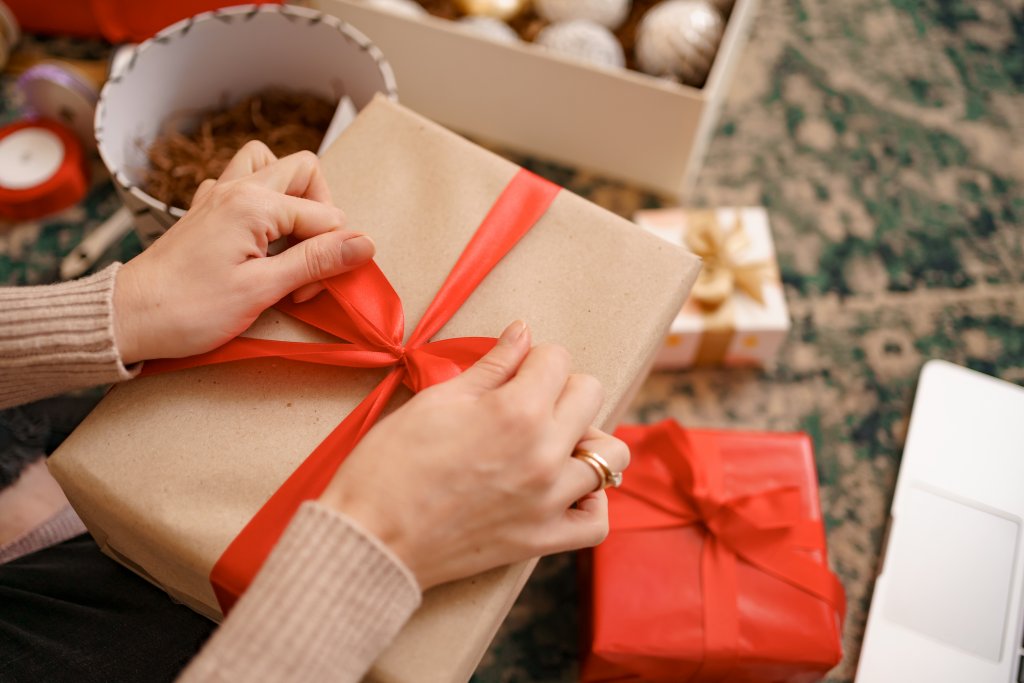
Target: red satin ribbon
x,y
362,308
766,530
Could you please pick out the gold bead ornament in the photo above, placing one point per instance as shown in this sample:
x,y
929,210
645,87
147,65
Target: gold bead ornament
x,y
499,9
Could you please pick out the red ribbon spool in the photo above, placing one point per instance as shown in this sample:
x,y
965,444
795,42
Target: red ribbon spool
x,y
42,169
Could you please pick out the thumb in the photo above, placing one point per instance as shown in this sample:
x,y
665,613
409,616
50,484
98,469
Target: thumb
x,y
500,364
318,258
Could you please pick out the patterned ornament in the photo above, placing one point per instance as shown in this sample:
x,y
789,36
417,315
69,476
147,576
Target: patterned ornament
x,y
490,28
498,9
584,40
678,39
608,13
403,8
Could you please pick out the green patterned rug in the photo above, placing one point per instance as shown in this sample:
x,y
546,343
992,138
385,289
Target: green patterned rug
x,y
886,138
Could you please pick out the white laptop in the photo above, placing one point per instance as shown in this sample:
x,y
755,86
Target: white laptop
x,y
948,605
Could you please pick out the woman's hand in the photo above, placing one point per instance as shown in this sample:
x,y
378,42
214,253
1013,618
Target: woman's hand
x,y
208,277
476,473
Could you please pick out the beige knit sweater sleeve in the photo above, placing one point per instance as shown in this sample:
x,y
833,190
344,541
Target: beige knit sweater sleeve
x,y
330,597
56,338
328,600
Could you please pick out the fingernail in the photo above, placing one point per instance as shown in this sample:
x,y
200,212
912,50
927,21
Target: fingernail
x,y
513,332
357,249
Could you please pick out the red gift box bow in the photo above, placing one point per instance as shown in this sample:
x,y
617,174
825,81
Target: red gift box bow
x,y
763,529
362,308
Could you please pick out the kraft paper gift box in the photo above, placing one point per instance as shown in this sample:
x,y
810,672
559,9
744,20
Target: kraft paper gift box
x,y
736,315
167,469
715,568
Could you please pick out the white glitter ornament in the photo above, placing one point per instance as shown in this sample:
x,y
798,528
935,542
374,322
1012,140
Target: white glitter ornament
x,y
583,40
403,8
678,39
608,13
490,28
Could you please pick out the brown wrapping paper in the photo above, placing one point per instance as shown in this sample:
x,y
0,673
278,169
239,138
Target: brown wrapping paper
x,y
167,469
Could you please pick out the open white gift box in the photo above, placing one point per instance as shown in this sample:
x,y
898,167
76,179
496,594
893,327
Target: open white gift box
x,y
619,123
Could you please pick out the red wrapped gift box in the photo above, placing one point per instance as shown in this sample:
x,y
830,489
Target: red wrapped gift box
x,y
715,568
116,20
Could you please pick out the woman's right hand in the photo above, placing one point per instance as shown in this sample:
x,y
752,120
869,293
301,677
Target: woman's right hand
x,y
477,472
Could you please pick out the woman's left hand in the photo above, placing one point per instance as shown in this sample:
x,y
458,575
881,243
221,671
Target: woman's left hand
x,y
209,276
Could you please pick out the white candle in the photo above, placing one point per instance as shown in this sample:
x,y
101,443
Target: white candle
x,y
29,157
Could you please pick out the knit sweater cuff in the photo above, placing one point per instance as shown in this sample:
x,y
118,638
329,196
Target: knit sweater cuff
x,y
63,525
55,338
327,602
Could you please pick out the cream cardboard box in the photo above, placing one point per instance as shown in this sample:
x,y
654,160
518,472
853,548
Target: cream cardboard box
x,y
620,123
167,469
740,330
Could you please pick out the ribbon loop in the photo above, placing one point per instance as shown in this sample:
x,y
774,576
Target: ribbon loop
x,y
345,311
724,269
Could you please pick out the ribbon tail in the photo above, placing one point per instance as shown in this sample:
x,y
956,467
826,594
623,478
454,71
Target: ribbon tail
x,y
750,279
238,565
802,572
721,612
239,348
245,348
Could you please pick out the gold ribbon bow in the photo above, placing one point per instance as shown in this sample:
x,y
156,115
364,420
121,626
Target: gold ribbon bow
x,y
723,274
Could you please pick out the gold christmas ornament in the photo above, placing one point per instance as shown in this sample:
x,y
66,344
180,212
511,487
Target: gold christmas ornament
x,y
403,8
723,272
499,9
678,39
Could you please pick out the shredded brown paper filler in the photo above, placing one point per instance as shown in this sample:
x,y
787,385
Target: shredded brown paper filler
x,y
286,121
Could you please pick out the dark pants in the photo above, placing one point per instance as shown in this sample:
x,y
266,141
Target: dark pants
x,y
69,613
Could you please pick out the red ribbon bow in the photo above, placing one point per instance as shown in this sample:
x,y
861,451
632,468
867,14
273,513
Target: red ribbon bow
x,y
766,529
362,308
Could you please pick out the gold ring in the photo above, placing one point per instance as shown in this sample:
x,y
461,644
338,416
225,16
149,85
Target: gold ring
x,y
605,475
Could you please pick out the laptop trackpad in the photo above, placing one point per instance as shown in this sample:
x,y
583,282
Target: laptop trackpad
x,y
951,567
